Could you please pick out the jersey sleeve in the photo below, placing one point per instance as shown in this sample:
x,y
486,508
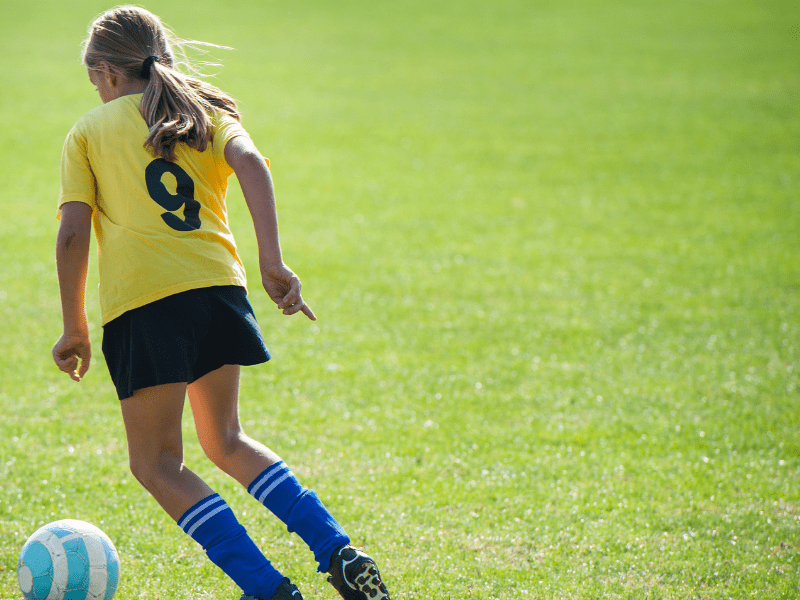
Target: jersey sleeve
x,y
77,179
225,129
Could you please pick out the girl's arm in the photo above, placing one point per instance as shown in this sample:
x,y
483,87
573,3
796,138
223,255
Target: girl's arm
x,y
72,353
282,285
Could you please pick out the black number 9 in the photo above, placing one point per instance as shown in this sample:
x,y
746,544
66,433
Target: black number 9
x,y
172,202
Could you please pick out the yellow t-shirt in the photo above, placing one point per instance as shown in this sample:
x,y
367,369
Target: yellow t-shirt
x,y
161,227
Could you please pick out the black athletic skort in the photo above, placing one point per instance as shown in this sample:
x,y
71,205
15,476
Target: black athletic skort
x,y
182,337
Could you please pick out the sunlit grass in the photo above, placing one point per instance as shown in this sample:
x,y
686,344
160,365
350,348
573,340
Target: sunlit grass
x,y
554,255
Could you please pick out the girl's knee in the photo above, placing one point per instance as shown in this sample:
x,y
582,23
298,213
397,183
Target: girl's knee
x,y
149,470
221,448
142,470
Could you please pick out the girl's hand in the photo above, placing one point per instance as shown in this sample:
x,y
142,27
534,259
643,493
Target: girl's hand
x,y
72,354
283,286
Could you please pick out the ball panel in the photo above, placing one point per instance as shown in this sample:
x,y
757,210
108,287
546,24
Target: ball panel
x,y
98,573
77,564
43,588
60,530
37,558
112,572
98,584
25,580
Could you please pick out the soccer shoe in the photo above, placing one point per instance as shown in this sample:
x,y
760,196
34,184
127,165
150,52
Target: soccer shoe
x,y
355,575
286,591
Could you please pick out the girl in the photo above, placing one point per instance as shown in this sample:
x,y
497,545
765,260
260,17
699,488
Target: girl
x,y
148,170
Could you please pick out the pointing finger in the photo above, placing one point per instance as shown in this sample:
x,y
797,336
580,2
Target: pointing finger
x,y
308,312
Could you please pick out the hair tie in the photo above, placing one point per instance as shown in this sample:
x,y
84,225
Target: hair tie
x,y
148,62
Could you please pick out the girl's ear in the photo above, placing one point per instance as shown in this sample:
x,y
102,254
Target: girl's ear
x,y
110,75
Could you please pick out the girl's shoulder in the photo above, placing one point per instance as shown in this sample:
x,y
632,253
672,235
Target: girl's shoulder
x,y
224,127
222,118
112,118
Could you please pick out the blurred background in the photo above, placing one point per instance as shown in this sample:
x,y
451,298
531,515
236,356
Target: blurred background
x,y
553,249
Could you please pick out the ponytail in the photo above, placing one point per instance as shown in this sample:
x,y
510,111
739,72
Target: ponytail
x,y
176,106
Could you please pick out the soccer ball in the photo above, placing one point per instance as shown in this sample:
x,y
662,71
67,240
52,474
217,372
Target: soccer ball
x,y
68,560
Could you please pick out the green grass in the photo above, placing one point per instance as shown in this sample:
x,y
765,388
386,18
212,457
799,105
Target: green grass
x,y
554,251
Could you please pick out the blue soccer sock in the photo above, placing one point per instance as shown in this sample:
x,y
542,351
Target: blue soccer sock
x,y
212,524
301,510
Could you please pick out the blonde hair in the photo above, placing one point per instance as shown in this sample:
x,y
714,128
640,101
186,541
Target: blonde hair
x,y
175,105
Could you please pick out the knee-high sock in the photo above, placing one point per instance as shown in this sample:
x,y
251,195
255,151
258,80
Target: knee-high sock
x,y
301,510
212,524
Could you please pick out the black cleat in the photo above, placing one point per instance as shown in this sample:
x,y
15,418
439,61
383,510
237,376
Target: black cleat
x,y
355,575
286,591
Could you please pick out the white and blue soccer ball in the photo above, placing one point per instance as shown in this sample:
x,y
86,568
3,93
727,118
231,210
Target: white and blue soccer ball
x,y
68,560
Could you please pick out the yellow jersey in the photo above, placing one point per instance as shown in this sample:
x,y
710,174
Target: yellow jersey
x,y
161,227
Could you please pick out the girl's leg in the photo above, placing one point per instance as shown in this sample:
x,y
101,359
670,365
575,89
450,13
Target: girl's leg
x,y
215,404
152,419
155,447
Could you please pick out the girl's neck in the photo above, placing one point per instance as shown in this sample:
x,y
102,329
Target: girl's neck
x,y
129,87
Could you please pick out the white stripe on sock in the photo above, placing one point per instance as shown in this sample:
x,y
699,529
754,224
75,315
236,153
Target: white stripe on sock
x,y
219,509
274,485
187,518
267,477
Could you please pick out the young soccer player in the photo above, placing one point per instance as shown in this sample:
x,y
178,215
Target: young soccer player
x,y
148,170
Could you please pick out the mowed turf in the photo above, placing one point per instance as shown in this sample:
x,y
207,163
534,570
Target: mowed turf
x,y
553,249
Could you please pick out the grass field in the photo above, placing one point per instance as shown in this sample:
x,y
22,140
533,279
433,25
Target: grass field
x,y
554,249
